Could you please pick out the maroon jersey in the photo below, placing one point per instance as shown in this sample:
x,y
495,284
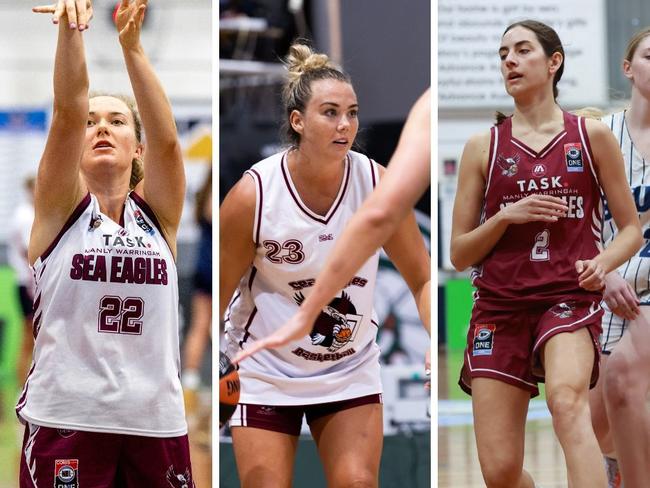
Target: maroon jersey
x,y
534,263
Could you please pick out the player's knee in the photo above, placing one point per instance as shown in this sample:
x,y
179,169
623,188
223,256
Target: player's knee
x,y
503,474
566,404
620,385
266,479
356,477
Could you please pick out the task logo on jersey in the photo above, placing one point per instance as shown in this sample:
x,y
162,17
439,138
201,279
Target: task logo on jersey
x,y
573,157
66,473
179,480
509,166
483,339
539,170
337,323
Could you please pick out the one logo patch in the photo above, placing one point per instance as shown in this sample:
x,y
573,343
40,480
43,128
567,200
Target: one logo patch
x,y
573,157
539,170
66,473
142,223
179,480
483,339
509,166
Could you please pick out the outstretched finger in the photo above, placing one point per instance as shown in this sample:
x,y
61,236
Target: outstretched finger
x,y
58,11
71,11
44,9
139,16
244,353
82,16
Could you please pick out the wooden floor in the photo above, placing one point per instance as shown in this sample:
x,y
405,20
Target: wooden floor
x,y
458,465
458,461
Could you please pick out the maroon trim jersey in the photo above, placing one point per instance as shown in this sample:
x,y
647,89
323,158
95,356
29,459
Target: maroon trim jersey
x,y
534,263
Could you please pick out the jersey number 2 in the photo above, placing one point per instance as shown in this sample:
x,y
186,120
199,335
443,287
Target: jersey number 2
x,y
121,316
540,250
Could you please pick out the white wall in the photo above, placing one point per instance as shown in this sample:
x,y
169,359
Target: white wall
x,y
177,38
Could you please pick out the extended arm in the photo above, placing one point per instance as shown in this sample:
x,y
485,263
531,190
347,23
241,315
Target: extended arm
x,y
236,246
163,187
58,185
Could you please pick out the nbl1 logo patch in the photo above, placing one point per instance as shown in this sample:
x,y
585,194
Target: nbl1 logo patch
x,y
483,339
573,157
66,473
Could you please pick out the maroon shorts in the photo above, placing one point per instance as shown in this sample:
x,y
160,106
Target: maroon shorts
x,y
288,419
506,345
73,459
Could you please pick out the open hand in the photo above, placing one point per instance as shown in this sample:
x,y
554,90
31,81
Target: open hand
x,y
78,12
128,19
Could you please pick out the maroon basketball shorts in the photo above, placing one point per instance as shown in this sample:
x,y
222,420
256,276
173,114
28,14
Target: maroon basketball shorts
x,y
506,345
288,419
75,459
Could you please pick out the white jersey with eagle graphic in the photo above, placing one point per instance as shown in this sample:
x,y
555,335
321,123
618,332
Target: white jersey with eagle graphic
x,y
339,359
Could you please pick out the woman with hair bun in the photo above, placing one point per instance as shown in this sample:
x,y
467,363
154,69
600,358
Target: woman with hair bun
x,y
527,217
277,226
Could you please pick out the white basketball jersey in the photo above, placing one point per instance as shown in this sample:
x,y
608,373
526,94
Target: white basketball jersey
x,y
636,270
339,359
106,356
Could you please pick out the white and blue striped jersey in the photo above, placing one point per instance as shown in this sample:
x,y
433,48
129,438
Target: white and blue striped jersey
x,y
636,271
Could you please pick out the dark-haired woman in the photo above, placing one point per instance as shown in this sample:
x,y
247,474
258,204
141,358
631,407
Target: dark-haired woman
x,y
527,217
278,224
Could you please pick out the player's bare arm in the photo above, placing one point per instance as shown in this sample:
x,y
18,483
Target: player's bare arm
x,y
611,174
236,246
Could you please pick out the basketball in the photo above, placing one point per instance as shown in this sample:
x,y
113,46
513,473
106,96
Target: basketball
x,y
228,388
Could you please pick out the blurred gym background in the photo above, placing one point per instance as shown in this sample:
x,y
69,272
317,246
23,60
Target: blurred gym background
x,y
385,47
177,39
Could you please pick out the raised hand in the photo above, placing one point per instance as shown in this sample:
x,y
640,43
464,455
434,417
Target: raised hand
x,y
128,19
78,12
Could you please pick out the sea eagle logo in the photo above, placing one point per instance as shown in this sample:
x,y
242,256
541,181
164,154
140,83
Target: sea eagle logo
x,y
509,166
179,480
337,323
